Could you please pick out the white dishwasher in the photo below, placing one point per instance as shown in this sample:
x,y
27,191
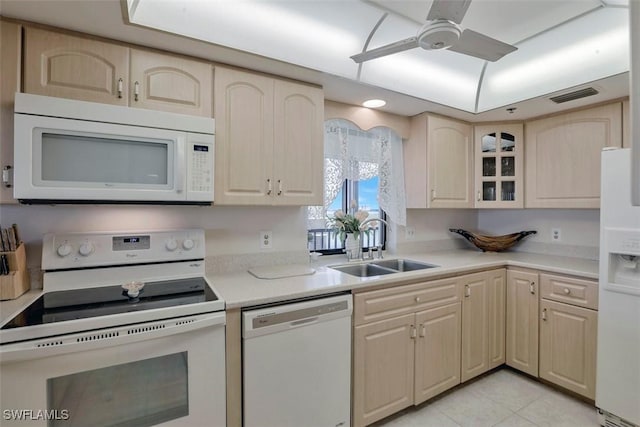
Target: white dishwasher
x,y
297,364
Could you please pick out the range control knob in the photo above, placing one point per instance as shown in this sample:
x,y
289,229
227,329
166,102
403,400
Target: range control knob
x,y
188,244
64,250
86,249
171,244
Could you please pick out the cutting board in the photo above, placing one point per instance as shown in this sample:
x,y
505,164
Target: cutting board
x,y
281,271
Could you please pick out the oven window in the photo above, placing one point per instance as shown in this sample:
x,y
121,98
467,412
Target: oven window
x,y
85,158
137,394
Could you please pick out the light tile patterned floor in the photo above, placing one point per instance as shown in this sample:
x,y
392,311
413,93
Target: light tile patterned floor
x,y
503,398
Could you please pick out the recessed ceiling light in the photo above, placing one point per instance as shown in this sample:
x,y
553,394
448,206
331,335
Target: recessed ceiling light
x,y
374,103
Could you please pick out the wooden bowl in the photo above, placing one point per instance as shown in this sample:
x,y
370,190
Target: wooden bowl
x,y
492,243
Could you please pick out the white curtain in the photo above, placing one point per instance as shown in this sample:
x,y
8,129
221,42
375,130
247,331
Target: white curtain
x,y
354,154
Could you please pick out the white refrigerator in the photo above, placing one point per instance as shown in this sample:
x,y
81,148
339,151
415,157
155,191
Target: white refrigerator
x,y
618,359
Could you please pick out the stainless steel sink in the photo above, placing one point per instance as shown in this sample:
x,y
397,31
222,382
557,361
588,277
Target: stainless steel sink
x,y
363,270
382,267
404,264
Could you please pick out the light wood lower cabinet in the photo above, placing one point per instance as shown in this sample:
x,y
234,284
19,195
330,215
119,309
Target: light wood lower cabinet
x,y
568,346
437,358
522,321
483,314
410,352
383,368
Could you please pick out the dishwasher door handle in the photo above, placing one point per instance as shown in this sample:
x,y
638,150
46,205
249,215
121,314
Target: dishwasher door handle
x,y
304,321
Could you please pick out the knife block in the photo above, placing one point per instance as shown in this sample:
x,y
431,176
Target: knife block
x,y
16,282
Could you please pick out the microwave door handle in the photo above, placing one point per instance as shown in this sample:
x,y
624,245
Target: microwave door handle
x,y
26,351
181,165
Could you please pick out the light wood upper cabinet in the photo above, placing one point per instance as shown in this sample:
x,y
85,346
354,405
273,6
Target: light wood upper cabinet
x,y
72,67
562,156
522,321
499,151
10,51
298,144
67,66
482,322
568,346
170,83
438,163
269,145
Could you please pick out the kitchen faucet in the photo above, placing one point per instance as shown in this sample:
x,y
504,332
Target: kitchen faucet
x,y
379,247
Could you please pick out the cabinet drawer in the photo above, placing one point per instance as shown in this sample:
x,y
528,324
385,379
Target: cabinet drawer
x,y
580,292
386,303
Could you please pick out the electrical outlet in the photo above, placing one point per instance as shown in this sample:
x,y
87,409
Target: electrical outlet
x,y
556,235
266,239
409,233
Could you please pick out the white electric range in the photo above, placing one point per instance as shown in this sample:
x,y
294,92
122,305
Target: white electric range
x,y
128,332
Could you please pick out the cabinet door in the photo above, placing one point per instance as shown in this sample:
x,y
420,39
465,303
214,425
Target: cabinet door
x,y
499,151
10,51
72,67
496,316
169,83
243,109
563,157
475,328
522,321
449,164
437,351
568,346
383,368
298,144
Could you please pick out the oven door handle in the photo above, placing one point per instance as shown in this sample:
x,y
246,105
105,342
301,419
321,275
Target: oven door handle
x,y
109,337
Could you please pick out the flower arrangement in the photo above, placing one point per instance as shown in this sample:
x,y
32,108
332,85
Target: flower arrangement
x,y
349,222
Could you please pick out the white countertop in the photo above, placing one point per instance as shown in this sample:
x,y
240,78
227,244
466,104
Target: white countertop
x,y
243,289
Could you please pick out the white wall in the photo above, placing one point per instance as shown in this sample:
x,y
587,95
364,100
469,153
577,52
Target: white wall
x,y
580,229
230,230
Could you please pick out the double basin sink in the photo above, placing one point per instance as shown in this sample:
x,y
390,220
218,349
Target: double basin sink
x,y
378,268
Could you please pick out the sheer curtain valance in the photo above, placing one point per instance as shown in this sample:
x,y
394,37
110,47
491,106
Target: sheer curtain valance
x,y
353,154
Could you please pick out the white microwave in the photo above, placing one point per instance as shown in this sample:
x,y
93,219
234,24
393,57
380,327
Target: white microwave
x,y
68,151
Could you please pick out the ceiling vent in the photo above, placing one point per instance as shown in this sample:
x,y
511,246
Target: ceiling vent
x,y
571,96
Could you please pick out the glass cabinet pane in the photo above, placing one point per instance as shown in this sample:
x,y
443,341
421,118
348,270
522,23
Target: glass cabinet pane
x,y
508,166
507,142
489,143
488,166
489,190
508,190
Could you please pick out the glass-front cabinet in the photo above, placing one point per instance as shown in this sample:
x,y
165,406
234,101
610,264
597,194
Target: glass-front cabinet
x,y
498,160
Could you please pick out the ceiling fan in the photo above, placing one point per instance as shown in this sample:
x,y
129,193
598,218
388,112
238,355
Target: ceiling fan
x,y
442,31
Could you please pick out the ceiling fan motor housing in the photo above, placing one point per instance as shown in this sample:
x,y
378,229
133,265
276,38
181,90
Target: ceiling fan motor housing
x,y
439,34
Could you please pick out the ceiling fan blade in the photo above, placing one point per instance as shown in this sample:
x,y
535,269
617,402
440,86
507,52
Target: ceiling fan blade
x,y
389,49
451,10
481,46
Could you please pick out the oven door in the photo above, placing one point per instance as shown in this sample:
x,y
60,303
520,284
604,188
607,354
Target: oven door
x,y
169,373
66,159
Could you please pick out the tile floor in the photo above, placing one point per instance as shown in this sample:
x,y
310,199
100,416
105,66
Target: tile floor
x,y
503,398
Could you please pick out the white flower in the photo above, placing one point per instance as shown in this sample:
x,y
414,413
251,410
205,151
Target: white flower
x,y
361,215
339,213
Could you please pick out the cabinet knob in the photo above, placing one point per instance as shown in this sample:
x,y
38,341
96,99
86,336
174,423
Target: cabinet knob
x,y
413,332
269,187
467,291
433,195
479,198
120,83
532,288
544,314
417,299
279,187
566,291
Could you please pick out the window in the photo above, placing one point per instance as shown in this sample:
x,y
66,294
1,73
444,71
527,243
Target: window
x,y
365,195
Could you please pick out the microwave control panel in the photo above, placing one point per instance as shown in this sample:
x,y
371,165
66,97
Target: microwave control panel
x,y
200,168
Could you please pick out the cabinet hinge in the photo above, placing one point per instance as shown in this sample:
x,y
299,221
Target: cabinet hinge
x,y
7,182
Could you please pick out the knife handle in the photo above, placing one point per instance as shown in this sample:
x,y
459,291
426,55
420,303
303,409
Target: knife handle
x,y
4,265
